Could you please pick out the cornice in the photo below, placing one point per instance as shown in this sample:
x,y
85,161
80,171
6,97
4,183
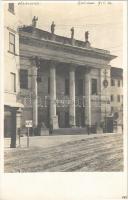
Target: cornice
x,y
27,39
68,61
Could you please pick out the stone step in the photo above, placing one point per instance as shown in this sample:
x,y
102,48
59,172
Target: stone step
x,y
69,131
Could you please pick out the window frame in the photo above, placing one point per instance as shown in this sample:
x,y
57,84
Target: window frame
x,y
112,82
112,109
14,81
67,86
24,79
11,10
12,44
118,98
80,83
92,86
112,98
48,85
118,83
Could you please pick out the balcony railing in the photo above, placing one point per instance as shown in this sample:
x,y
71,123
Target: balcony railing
x,y
63,101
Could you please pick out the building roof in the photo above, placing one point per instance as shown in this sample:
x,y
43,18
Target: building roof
x,y
61,39
116,72
60,48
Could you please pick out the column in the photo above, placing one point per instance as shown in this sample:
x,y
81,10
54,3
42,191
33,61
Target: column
x,y
87,91
53,96
34,96
72,120
18,118
13,131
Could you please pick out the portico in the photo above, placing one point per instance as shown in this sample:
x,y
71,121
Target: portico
x,y
70,103
69,73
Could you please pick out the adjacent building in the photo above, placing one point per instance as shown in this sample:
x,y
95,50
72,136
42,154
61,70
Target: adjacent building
x,y
117,93
11,72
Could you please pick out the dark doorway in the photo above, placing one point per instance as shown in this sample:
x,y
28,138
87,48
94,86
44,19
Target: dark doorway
x,y
80,87
66,119
43,116
80,117
7,124
63,119
108,127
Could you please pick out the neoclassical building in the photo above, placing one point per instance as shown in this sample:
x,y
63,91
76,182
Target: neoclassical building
x,y
64,82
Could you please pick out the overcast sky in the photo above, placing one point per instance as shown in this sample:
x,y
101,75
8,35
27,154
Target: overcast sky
x,y
104,22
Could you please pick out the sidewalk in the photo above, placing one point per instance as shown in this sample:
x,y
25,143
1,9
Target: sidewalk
x,y
49,141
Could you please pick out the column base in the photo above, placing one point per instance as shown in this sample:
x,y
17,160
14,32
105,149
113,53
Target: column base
x,y
13,144
72,126
54,122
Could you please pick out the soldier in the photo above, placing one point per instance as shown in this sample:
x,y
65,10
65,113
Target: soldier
x,y
53,27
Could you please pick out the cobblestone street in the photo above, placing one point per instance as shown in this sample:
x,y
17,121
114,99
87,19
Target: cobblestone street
x,y
96,152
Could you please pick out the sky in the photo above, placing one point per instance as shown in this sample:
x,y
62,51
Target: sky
x,y
104,22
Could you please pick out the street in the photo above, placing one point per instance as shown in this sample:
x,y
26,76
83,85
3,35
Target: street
x,y
66,153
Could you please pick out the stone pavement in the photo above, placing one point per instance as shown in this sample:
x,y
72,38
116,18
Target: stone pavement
x,y
95,152
48,141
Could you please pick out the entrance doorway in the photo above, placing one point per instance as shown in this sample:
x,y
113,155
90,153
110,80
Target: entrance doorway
x,y
63,119
108,127
7,124
10,124
79,117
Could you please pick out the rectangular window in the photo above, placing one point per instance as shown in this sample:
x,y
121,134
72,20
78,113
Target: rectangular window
x,y
112,109
80,87
112,97
11,42
24,79
13,82
48,85
118,98
118,83
94,86
66,86
112,82
11,7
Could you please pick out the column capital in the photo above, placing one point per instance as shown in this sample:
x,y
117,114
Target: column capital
x,y
72,67
52,63
87,70
35,61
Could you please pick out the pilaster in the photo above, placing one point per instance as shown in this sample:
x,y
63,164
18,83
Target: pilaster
x,y
72,120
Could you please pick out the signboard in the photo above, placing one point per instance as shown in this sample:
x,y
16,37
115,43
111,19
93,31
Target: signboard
x,y
28,123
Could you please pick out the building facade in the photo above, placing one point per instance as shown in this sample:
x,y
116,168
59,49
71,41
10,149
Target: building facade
x,y
117,93
11,72
64,82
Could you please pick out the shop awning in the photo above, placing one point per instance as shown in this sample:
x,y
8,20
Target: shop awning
x,y
14,104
